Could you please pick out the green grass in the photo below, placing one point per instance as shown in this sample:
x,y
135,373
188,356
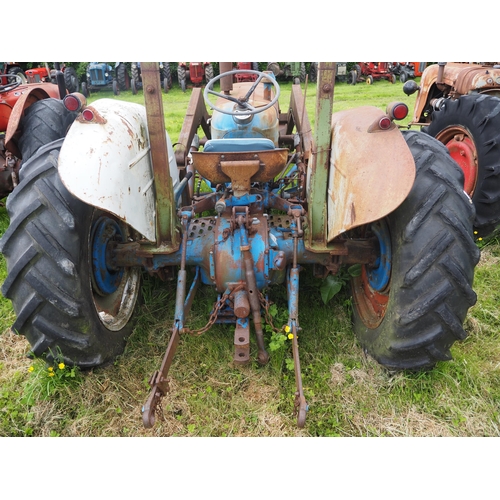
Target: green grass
x,y
348,393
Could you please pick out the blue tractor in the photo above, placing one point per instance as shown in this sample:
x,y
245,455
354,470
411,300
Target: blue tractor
x,y
103,76
241,209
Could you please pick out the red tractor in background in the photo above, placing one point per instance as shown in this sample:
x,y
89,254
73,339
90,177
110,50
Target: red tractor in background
x,y
371,71
195,72
246,77
31,116
8,71
45,74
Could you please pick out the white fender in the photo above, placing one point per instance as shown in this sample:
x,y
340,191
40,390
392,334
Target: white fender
x,y
108,165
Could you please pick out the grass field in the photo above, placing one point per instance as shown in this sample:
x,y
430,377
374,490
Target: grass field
x,y
349,394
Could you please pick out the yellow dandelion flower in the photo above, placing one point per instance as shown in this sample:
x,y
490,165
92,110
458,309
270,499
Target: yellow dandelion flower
x,y
480,239
31,368
290,336
50,369
61,366
287,328
51,374
475,232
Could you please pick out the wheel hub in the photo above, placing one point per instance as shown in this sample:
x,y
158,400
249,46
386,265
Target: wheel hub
x,y
463,150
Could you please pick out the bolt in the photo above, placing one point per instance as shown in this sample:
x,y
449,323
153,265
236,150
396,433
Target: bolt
x,y
327,88
150,89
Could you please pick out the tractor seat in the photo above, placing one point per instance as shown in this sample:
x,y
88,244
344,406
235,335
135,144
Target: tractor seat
x,y
238,145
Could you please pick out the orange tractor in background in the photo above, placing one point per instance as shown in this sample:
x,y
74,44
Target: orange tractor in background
x,y
459,104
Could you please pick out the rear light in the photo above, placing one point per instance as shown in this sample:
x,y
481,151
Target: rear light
x,y
397,110
385,123
74,102
88,115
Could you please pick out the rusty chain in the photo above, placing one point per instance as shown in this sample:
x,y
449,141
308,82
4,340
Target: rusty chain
x,y
269,319
211,320
218,306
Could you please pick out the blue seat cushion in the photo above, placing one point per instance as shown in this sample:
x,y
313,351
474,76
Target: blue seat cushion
x,y
238,145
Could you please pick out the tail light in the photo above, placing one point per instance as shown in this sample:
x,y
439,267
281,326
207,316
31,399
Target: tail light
x,y
74,101
385,123
88,115
397,110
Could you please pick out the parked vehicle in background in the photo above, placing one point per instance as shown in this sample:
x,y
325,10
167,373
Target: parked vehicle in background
x,y
195,73
373,71
136,76
10,69
102,76
459,104
46,74
31,116
408,70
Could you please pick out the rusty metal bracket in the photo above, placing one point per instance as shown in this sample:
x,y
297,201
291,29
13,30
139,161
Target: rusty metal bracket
x,y
166,231
301,406
242,341
196,116
159,381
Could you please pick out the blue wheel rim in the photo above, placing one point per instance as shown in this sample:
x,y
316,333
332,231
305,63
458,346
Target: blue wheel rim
x,y
379,275
106,278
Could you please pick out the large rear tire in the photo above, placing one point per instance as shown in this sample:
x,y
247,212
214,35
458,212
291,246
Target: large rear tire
x,y
181,76
209,72
302,75
122,77
313,72
71,79
167,77
410,307
43,122
135,72
470,128
63,296
17,71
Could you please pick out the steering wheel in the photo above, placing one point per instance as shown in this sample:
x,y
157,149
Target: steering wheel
x,y
243,105
12,84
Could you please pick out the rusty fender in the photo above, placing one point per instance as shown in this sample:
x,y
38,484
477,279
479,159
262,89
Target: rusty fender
x,y
458,79
30,93
107,163
371,172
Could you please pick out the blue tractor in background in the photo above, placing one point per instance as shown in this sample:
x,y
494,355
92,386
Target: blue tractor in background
x,y
103,76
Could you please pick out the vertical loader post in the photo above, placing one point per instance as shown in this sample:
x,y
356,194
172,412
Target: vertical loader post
x,y
166,234
320,160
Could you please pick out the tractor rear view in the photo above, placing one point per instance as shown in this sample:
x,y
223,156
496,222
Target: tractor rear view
x,y
459,104
248,198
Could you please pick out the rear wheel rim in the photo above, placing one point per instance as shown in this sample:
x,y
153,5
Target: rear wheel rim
x,y
463,150
371,289
114,290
